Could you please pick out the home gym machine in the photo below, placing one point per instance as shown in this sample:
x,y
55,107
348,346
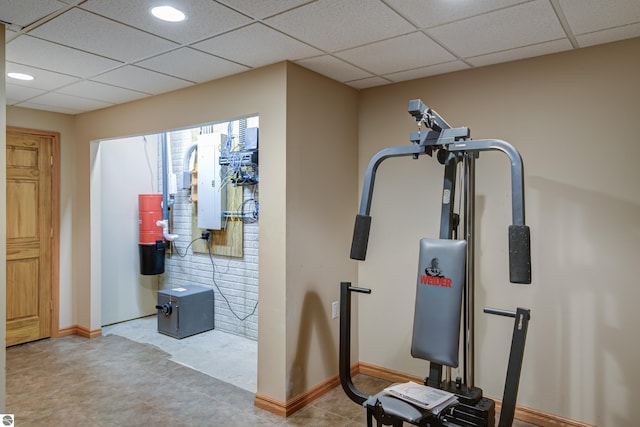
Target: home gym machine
x,y
445,283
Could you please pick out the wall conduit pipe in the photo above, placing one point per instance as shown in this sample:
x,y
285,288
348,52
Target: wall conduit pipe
x,y
186,173
165,192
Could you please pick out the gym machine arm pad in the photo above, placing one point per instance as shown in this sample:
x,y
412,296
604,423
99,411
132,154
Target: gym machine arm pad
x,y
360,237
519,238
519,254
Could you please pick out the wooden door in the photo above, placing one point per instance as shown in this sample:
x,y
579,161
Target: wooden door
x,y
29,236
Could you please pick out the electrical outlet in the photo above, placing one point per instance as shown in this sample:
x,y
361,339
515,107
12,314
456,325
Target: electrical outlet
x,y
335,309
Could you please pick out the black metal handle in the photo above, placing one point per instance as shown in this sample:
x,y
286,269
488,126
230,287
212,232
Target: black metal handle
x,y
166,308
344,360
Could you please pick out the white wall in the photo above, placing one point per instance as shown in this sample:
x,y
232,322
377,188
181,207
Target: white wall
x,y
127,168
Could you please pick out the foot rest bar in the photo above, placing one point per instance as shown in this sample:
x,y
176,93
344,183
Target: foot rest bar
x,y
500,312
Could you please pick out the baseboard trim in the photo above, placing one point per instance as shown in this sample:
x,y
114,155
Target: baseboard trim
x,y
284,409
270,404
522,413
80,331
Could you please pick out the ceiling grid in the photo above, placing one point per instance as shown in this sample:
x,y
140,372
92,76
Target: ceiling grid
x,y
91,54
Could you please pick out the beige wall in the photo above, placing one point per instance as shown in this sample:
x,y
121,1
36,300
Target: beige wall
x,y
3,223
321,199
259,92
308,188
573,116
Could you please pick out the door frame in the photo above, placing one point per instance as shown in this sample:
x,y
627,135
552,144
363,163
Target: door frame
x,y
55,221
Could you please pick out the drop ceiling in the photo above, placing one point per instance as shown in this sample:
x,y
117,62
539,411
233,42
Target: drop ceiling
x,y
92,54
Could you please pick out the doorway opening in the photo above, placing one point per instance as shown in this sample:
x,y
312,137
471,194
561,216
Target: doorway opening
x,y
208,178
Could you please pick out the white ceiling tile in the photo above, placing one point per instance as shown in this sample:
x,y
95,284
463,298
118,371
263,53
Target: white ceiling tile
x,y
25,12
432,13
204,18
400,53
586,16
17,93
418,73
522,25
50,56
370,82
521,53
71,103
610,35
46,107
334,68
256,45
102,92
43,79
89,32
141,80
262,9
192,65
337,24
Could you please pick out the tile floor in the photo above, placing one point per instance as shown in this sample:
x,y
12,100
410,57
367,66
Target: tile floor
x,y
207,352
114,381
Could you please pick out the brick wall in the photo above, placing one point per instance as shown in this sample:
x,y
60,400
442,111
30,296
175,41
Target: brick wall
x,y
236,278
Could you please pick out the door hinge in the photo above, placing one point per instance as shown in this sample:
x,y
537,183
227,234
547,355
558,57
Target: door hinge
x,y
51,160
51,233
51,305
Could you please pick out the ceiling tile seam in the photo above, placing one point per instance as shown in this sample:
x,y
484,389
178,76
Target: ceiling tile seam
x,y
372,74
157,72
101,83
163,73
291,37
468,17
609,28
69,111
419,68
212,54
11,26
48,92
41,21
8,61
78,49
374,42
557,9
446,48
515,48
121,65
137,61
416,26
367,78
275,14
178,44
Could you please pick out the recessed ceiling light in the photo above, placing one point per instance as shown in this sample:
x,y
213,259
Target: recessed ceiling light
x,y
20,76
168,13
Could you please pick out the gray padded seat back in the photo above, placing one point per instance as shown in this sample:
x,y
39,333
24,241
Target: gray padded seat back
x,y
436,322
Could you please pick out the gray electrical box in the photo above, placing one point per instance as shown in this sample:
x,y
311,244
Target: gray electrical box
x,y
185,311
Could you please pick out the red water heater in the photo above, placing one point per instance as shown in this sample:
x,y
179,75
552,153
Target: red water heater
x,y
151,241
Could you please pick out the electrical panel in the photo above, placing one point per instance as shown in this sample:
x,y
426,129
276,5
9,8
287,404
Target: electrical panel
x,y
211,194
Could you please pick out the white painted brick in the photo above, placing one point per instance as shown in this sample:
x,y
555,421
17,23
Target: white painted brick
x,y
236,278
